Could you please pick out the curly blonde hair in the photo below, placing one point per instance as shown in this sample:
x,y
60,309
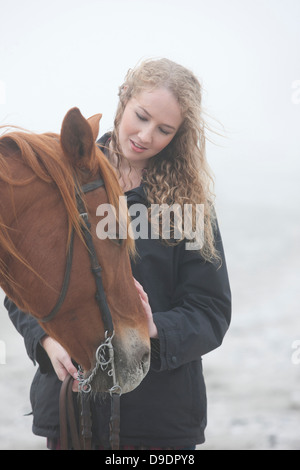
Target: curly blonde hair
x,y
179,174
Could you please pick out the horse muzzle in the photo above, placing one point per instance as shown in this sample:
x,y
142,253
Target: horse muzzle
x,y
120,364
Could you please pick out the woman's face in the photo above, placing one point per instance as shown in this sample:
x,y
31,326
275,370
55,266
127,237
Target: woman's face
x,y
149,123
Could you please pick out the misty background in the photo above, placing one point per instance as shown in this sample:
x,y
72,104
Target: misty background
x,y
59,54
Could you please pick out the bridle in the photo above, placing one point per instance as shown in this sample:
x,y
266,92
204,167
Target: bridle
x,y
95,267
105,352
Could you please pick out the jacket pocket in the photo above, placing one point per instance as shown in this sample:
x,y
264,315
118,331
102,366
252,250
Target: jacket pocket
x,y
44,397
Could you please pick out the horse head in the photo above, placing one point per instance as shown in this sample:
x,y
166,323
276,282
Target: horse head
x,y
39,221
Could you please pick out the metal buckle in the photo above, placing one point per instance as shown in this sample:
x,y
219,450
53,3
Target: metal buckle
x,y
84,215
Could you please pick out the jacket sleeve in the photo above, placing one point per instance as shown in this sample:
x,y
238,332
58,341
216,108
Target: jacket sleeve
x,y
32,332
201,313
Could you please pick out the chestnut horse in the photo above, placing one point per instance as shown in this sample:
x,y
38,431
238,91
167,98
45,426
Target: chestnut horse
x,y
38,218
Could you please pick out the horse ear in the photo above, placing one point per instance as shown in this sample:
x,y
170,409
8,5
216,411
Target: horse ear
x,y
94,122
77,138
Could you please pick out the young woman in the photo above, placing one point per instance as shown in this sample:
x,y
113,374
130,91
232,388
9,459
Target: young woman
x,y
157,148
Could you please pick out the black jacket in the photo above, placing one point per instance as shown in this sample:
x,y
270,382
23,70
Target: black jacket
x,y
191,302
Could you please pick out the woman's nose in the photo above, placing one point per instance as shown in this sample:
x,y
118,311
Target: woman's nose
x,y
145,135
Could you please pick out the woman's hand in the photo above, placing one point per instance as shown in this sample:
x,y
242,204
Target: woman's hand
x,y
145,302
60,360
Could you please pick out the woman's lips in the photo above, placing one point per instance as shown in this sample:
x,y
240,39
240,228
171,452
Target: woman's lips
x,y
137,147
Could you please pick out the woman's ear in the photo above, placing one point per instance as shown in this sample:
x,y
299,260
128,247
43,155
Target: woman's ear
x,y
123,90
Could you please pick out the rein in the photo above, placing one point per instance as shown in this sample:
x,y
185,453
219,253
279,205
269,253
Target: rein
x,y
104,353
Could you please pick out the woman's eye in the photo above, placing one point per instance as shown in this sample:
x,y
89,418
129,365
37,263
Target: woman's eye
x,y
142,118
163,131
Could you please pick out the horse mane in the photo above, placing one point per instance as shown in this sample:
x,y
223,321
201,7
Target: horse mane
x,y
42,153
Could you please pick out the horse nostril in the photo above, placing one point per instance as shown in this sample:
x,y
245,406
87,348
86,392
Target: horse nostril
x,y
145,358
